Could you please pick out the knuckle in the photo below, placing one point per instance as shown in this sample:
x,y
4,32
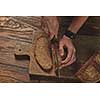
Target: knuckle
x,y
67,59
60,44
71,47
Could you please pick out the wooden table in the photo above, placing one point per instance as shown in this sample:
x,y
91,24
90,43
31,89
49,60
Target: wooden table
x,y
12,70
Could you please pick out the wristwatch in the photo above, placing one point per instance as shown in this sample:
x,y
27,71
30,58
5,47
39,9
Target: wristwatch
x,y
70,34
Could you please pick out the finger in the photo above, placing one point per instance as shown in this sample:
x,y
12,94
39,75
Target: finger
x,y
61,49
51,36
69,56
56,36
69,63
73,58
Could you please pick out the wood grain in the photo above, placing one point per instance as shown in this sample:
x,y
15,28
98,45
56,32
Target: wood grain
x,y
19,30
12,70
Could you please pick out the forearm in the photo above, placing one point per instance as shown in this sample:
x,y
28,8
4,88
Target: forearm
x,y
52,24
77,23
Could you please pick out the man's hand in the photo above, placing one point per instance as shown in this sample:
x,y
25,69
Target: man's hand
x,y
66,42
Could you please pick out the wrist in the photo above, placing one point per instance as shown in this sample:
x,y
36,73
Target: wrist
x,y
69,34
66,37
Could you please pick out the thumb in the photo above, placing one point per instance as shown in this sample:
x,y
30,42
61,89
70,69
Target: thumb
x,y
51,36
61,49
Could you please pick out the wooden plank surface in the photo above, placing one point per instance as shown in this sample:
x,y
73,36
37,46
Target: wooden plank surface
x,y
12,70
15,30
12,31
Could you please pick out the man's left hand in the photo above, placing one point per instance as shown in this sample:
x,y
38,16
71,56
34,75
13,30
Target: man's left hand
x,y
67,43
